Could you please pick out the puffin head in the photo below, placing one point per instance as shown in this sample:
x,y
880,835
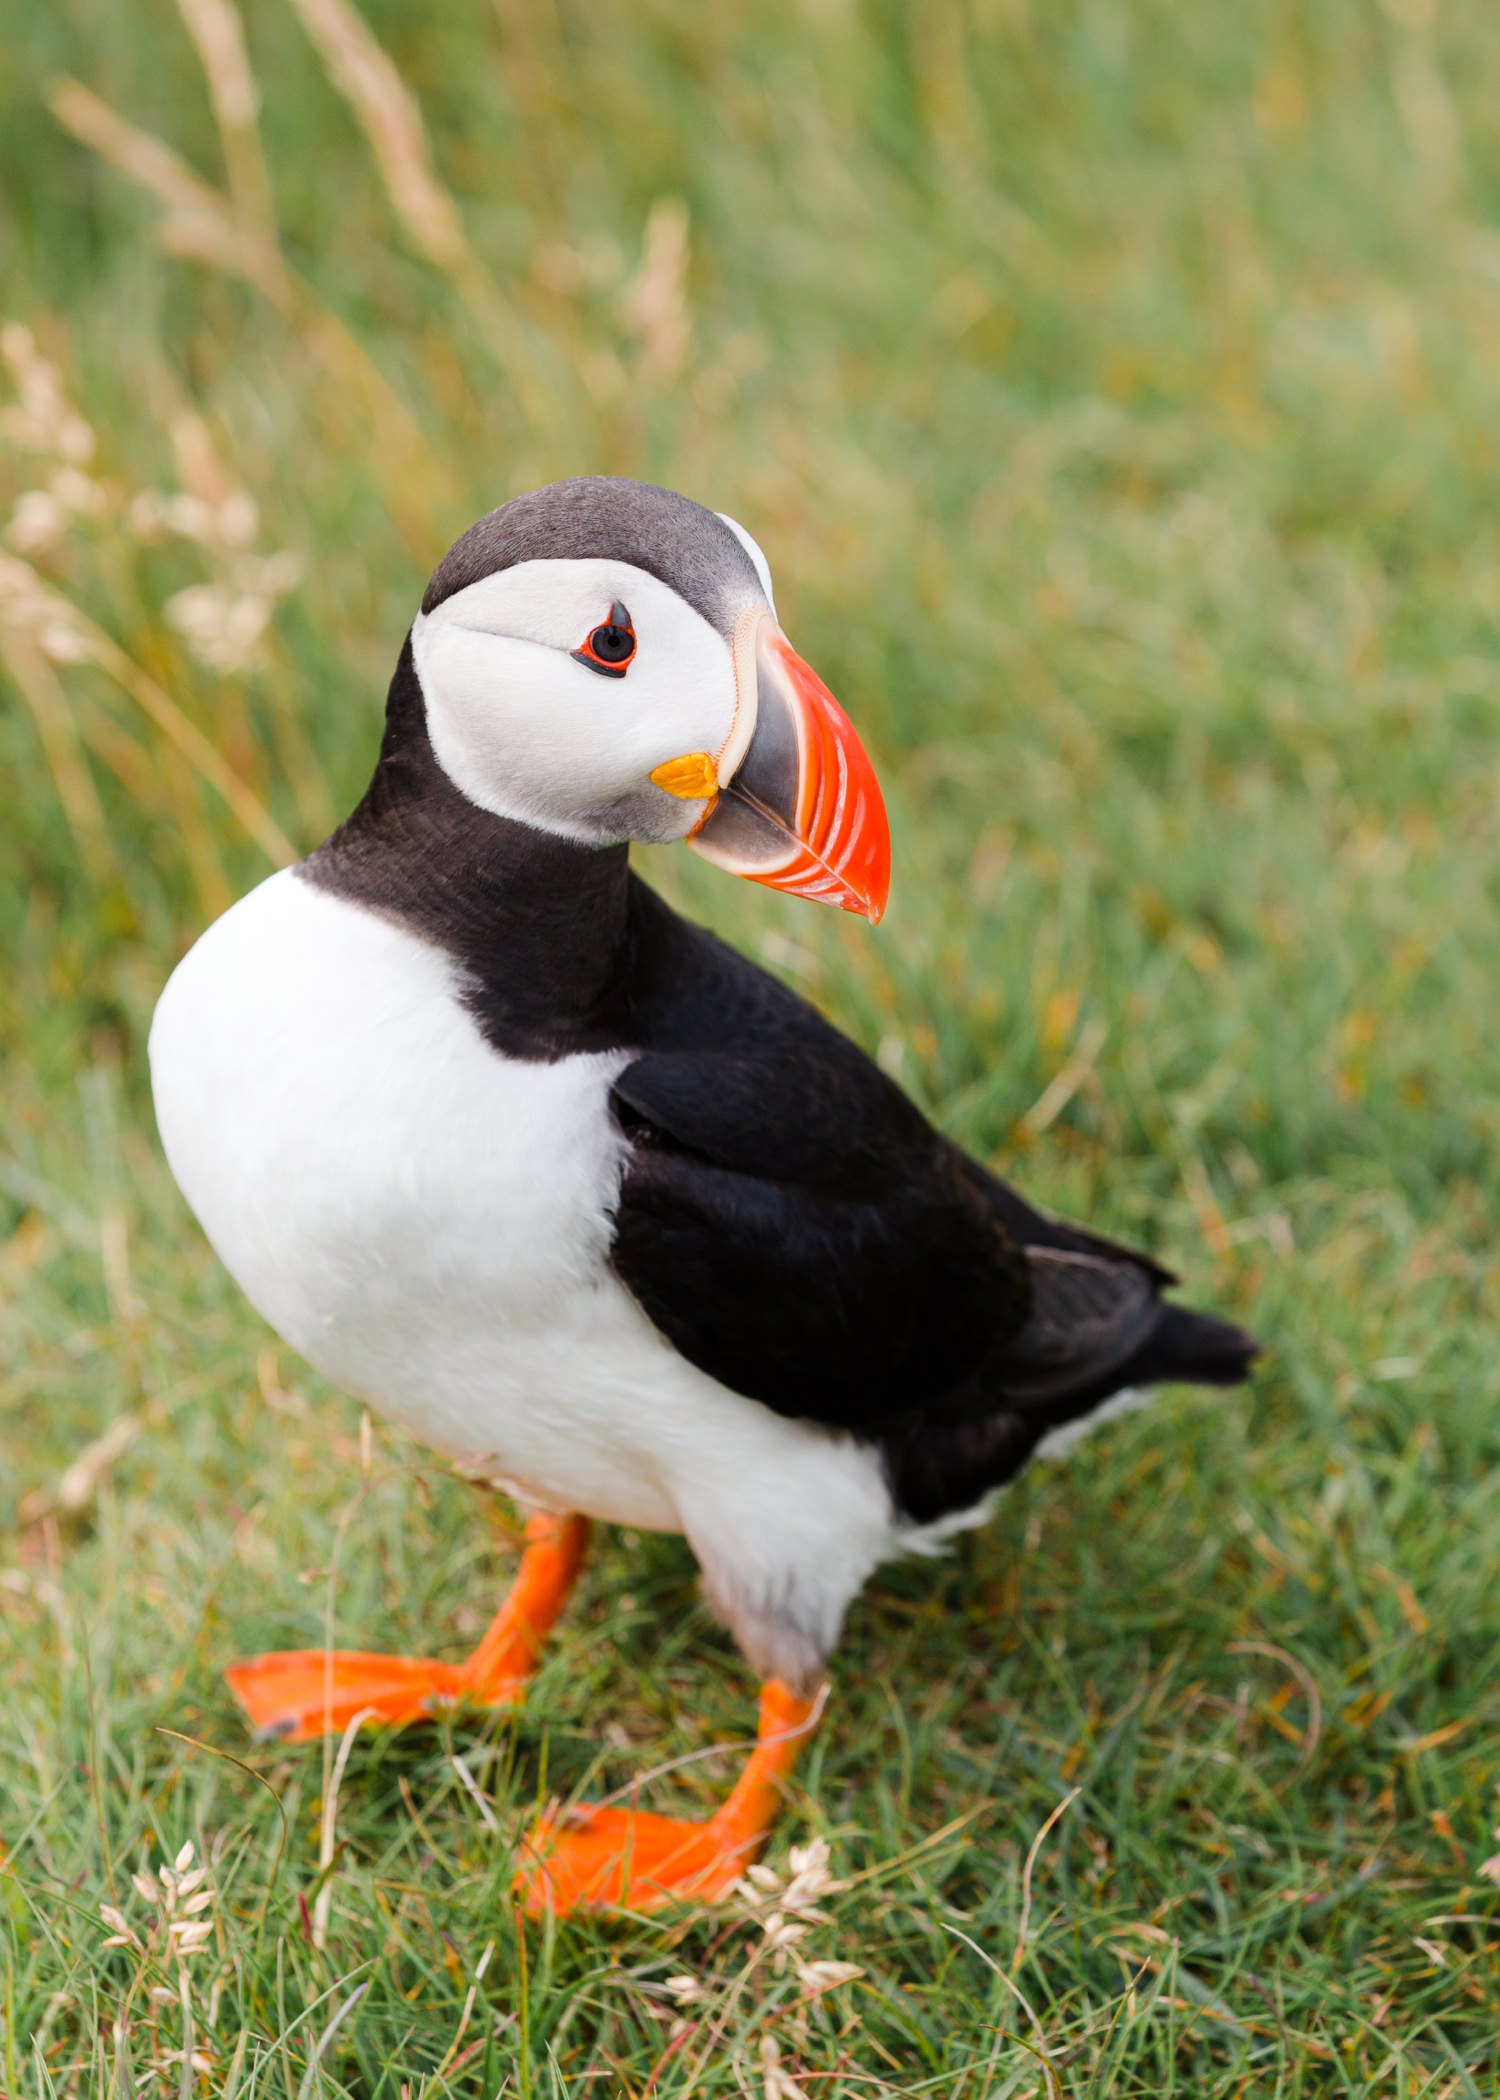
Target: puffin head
x,y
601,659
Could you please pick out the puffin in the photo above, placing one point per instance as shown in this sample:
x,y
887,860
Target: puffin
x,y
574,1192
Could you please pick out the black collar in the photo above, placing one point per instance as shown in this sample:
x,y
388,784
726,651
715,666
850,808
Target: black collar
x,y
540,926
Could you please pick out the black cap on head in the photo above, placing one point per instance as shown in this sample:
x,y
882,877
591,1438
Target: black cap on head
x,y
595,517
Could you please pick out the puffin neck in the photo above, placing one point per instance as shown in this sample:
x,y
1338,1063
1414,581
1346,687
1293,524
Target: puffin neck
x,y
540,926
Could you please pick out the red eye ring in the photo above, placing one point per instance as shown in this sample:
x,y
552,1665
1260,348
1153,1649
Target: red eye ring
x,y
610,647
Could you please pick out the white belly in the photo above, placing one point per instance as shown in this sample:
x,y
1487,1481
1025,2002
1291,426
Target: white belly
x,y
428,1223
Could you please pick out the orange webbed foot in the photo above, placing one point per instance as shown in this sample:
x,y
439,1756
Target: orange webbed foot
x,y
297,1694
624,1859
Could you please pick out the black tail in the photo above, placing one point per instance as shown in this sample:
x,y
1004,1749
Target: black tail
x,y
1097,1327
943,1467
1191,1348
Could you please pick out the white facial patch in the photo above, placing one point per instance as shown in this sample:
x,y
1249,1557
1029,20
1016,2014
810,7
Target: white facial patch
x,y
525,730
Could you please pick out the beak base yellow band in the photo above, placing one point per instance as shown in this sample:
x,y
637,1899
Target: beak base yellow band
x,y
690,778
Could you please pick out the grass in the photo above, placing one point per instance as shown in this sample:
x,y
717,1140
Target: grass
x,y
1114,388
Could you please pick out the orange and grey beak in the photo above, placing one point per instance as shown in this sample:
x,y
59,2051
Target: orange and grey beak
x,y
797,803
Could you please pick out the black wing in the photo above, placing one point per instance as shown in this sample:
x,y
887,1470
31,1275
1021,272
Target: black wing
x,y
805,1243
794,1226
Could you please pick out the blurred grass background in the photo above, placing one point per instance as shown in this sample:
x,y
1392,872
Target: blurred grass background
x,y
1114,388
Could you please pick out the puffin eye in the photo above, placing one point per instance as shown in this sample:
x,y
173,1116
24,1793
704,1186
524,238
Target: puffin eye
x,y
611,645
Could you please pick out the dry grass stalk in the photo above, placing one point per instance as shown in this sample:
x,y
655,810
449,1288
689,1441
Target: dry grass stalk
x,y
224,622
207,480
64,634
219,38
63,746
196,749
41,419
199,225
198,221
364,75
41,627
184,1902
79,1481
328,1828
786,1906
654,304
114,1254
42,516
113,746
1030,1868
391,120
1305,1679
467,2011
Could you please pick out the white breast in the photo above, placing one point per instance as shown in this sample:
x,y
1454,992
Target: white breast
x,y
429,1223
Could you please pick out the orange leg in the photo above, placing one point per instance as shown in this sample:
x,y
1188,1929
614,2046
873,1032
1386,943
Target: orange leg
x,y
624,1859
299,1693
